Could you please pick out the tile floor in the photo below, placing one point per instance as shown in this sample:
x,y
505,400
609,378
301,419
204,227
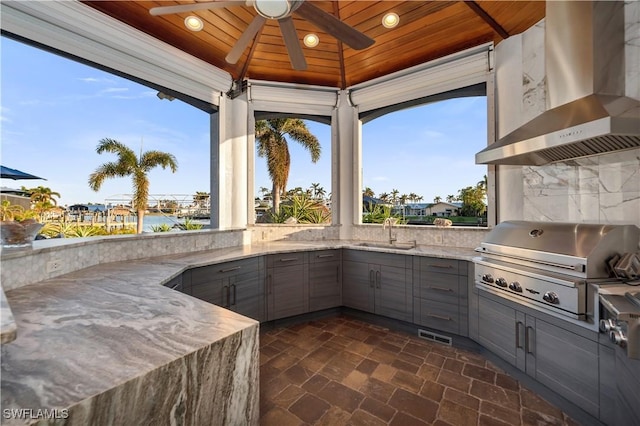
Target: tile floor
x,y
342,371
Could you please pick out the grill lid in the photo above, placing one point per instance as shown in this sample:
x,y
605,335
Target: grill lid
x,y
580,247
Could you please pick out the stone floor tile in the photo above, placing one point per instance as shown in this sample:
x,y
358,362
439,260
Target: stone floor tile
x,y
485,420
403,419
503,414
495,394
429,372
333,417
377,389
355,380
378,409
405,366
288,396
453,365
408,381
434,359
337,369
389,347
384,372
507,382
282,361
324,336
322,354
280,416
410,358
534,418
359,348
462,398
432,390
367,366
420,351
456,414
364,418
309,408
414,405
454,380
479,373
297,374
341,396
315,383
382,356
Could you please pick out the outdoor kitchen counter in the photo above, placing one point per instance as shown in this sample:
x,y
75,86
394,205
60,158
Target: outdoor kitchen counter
x,y
95,341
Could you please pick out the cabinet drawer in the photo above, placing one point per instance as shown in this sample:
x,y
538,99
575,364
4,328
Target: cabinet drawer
x,y
444,266
439,316
236,267
285,259
439,287
324,256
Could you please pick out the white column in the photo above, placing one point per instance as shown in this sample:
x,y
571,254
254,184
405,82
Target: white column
x,y
230,181
347,177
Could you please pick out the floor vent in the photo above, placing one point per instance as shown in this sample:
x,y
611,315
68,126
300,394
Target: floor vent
x,y
438,338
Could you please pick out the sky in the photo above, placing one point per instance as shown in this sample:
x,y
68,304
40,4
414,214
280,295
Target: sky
x,y
54,111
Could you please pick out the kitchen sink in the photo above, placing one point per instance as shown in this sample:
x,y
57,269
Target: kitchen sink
x,y
395,246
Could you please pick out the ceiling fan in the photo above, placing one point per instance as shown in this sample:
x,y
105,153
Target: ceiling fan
x,y
280,10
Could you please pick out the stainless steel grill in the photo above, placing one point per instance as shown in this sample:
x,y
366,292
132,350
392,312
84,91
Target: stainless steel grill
x,y
547,265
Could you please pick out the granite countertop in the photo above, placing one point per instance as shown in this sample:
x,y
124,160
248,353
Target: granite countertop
x,y
83,333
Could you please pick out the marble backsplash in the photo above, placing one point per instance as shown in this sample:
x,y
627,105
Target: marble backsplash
x,y
600,189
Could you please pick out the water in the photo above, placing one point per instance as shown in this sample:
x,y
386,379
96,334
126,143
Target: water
x,y
157,220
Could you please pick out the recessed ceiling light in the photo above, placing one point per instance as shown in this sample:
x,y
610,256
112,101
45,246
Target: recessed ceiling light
x,y
311,40
193,23
390,20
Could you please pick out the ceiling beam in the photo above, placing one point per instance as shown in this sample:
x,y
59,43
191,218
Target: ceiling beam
x,y
343,77
488,19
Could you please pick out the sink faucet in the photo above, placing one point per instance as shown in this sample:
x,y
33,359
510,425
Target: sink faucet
x,y
390,221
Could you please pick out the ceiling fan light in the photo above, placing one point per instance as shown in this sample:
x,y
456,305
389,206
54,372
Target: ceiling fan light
x,y
390,20
311,40
193,23
272,9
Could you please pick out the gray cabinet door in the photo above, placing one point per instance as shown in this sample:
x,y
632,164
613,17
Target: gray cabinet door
x,y
358,286
325,279
566,363
247,289
498,328
205,286
393,292
287,286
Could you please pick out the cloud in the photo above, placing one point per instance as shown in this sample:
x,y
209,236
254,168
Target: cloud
x,y
102,80
115,89
380,178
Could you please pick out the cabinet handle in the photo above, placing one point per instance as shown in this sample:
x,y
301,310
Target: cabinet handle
x,y
176,285
371,278
321,256
441,317
378,276
440,289
288,259
519,324
528,344
230,269
233,286
440,266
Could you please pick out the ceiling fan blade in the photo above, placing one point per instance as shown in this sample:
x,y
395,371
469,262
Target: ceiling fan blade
x,y
167,10
290,36
244,39
332,25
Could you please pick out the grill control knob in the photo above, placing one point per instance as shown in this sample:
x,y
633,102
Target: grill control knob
x,y
488,278
551,297
618,338
606,325
501,282
515,286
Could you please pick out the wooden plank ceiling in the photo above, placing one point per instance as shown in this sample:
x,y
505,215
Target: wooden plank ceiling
x,y
427,30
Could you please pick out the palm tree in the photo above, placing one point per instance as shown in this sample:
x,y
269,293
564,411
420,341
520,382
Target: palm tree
x,y
368,192
129,164
272,144
437,199
394,196
384,197
451,198
42,194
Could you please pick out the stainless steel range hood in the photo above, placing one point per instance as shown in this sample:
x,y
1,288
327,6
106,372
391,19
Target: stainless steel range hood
x,y
588,111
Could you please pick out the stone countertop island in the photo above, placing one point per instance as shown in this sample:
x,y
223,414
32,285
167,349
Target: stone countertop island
x,y
109,345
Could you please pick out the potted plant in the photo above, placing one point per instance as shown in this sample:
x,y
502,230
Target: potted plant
x,y
18,227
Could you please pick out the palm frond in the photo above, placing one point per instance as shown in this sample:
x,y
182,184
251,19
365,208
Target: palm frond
x,y
151,159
